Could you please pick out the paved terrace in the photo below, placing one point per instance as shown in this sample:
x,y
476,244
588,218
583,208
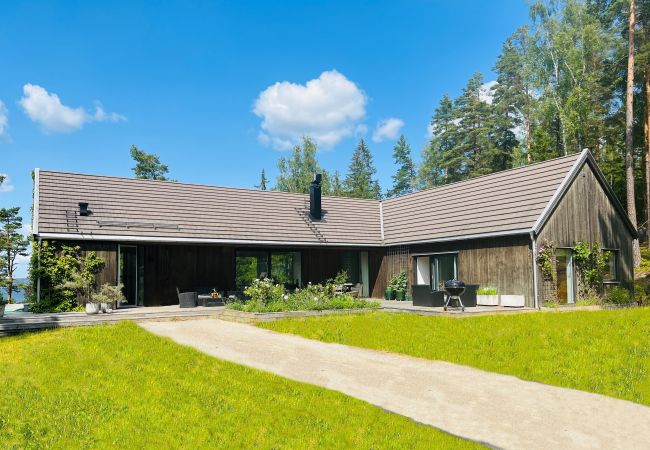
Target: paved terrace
x,y
16,321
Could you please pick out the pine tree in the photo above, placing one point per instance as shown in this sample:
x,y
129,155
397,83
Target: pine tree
x,y
263,181
148,165
337,187
360,182
12,245
404,178
441,161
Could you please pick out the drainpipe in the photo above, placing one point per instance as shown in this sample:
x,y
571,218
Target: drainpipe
x,y
533,242
38,280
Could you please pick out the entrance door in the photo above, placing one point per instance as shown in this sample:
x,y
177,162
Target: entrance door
x,y
565,280
128,273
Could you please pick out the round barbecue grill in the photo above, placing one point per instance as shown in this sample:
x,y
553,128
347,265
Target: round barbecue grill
x,y
454,289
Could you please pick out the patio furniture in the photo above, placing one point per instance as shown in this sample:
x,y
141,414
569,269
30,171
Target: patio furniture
x,y
207,300
186,299
423,295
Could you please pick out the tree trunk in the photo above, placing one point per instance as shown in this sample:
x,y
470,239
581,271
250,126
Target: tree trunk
x,y
646,133
629,144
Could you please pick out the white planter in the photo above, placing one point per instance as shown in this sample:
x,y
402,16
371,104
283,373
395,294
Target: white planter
x,y
107,308
2,309
516,301
92,308
487,300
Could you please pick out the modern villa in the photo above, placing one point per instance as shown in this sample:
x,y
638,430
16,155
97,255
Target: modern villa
x,y
157,236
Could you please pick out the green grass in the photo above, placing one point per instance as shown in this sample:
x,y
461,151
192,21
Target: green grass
x,y
607,352
121,387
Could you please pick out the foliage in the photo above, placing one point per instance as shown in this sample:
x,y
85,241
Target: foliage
x,y
360,180
263,181
341,277
404,178
618,296
148,165
591,265
108,294
297,171
399,282
12,245
66,275
546,260
266,296
65,380
589,297
487,291
605,352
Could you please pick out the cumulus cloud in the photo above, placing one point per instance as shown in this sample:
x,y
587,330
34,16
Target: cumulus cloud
x,y
47,110
327,108
6,185
4,123
387,129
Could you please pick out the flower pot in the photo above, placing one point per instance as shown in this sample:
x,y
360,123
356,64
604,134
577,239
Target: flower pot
x,y
2,309
487,299
107,308
387,293
515,301
92,308
400,295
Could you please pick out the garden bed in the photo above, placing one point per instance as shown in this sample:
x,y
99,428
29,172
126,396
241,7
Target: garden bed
x,y
233,315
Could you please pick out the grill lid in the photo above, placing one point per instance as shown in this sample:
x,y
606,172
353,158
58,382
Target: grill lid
x,y
454,284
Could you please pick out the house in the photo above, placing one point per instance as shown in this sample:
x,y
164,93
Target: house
x,y
156,236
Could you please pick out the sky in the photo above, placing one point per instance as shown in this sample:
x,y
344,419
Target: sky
x,y
221,90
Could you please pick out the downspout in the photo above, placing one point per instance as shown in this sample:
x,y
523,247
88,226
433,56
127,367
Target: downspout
x,y
533,243
38,280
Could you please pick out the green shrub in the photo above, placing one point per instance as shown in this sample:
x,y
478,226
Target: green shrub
x,y
265,291
487,291
589,297
618,296
399,282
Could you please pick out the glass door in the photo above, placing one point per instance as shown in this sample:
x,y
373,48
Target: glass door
x,y
443,268
565,282
128,273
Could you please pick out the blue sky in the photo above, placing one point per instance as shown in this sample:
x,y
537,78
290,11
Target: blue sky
x,y
195,82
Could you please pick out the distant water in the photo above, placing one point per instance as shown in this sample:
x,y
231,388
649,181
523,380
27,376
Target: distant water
x,y
19,296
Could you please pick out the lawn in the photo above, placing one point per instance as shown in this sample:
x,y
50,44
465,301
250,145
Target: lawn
x,y
120,387
607,352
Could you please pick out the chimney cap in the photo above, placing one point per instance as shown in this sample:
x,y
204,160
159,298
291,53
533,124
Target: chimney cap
x,y
317,178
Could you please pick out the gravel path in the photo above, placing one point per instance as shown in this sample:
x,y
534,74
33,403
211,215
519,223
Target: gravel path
x,y
499,410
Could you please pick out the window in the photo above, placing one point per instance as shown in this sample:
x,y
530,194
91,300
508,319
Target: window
x,y
444,267
611,274
350,263
282,267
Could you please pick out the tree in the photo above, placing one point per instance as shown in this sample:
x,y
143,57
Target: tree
x,y
263,181
12,245
297,171
336,185
359,181
148,165
441,161
629,124
404,178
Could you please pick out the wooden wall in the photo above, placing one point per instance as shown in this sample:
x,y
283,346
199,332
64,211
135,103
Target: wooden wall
x,y
585,213
503,262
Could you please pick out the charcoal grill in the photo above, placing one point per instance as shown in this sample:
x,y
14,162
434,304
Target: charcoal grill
x,y
454,289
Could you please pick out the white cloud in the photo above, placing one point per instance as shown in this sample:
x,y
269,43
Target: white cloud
x,y
6,185
4,123
387,129
326,108
47,110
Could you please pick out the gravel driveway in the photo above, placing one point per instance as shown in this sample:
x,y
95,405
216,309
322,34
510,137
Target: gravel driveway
x,y
499,410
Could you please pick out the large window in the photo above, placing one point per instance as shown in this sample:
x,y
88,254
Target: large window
x,y
444,267
611,275
282,267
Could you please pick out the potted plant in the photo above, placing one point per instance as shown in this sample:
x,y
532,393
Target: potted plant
x,y
398,286
107,296
487,296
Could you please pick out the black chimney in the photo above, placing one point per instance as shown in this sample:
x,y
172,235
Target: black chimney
x,y
315,198
83,209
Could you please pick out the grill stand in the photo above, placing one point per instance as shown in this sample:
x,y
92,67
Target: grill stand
x,y
458,299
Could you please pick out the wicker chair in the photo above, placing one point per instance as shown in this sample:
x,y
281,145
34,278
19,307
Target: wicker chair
x,y
187,299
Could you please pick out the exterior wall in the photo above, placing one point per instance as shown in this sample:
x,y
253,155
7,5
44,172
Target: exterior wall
x,y
189,266
504,263
585,213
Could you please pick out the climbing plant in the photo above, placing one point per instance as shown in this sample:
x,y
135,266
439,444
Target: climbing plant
x,y
591,265
546,260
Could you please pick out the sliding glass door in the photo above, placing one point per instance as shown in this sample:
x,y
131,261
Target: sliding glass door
x,y
444,267
283,267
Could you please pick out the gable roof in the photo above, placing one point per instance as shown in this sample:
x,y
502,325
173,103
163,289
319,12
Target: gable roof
x,y
514,201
